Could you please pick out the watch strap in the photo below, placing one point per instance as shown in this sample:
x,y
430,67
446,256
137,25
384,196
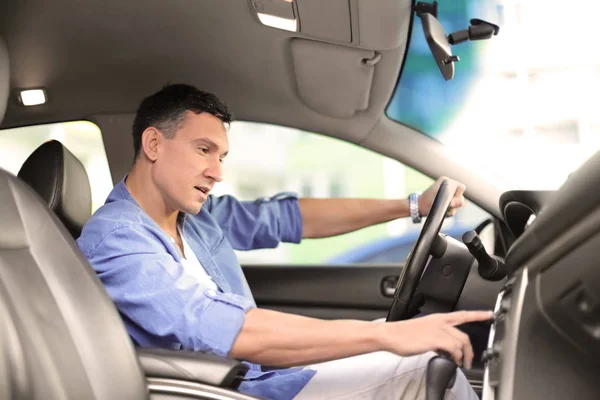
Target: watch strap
x,y
413,203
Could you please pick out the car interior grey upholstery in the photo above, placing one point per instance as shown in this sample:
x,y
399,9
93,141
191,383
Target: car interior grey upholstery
x,y
318,64
250,67
72,341
62,182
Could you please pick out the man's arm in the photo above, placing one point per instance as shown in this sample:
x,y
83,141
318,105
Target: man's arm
x,y
281,340
330,217
163,305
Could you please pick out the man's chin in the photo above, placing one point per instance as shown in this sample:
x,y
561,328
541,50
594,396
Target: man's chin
x,y
194,208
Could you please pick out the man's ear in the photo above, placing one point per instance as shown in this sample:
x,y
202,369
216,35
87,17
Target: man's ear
x,y
151,142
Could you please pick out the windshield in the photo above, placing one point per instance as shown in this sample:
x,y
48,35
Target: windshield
x,y
523,105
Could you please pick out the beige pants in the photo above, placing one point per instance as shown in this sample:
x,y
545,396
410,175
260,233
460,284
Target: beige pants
x,y
379,376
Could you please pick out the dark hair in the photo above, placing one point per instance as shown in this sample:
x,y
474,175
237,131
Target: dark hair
x,y
166,109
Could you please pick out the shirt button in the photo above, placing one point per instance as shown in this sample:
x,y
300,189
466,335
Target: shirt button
x,y
211,292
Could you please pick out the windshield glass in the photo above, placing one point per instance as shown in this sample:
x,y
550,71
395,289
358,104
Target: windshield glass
x,y
523,105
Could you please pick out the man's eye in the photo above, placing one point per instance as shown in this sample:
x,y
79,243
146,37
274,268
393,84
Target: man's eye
x,y
204,150
221,160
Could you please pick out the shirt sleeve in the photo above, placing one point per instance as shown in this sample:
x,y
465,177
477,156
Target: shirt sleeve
x,y
154,292
259,224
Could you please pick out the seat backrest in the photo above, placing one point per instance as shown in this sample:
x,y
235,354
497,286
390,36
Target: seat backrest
x,y
62,182
60,335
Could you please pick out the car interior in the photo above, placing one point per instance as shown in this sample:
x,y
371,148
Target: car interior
x,y
332,69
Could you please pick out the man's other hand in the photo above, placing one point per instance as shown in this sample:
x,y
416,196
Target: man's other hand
x,y
432,333
428,196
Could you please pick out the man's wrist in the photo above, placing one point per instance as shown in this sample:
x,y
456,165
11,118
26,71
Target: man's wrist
x,y
380,336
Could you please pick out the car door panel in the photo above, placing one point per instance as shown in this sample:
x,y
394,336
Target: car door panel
x,y
335,291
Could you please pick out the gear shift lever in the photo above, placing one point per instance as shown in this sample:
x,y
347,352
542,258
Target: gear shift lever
x,y
440,376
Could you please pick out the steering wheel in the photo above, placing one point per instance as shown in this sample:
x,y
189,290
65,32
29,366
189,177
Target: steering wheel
x,y
417,260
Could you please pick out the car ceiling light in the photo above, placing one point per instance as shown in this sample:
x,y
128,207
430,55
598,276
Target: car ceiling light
x,y
278,22
280,14
32,97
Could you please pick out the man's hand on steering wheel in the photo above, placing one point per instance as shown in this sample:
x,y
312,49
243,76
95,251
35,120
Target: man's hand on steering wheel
x,y
426,199
445,192
436,332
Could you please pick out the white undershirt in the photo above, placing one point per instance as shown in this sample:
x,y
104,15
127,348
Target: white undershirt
x,y
193,267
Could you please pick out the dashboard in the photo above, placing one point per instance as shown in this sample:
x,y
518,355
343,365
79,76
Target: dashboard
x,y
545,338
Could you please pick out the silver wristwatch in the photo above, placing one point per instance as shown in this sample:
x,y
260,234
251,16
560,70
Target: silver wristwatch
x,y
413,204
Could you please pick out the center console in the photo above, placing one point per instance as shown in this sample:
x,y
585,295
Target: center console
x,y
501,346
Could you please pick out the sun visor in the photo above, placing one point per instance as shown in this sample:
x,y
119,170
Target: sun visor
x,y
377,25
4,78
333,80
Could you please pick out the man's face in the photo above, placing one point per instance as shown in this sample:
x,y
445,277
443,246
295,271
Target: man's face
x,y
189,164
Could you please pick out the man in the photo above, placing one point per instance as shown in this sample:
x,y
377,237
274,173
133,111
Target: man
x,y
164,250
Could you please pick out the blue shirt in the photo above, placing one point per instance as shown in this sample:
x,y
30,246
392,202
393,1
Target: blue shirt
x,y
161,305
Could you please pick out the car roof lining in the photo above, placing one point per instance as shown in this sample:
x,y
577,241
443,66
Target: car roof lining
x,y
103,58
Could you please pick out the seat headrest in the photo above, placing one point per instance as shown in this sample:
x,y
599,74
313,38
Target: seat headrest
x,y
4,78
62,182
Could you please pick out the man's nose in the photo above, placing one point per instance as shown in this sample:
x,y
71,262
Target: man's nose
x,y
214,171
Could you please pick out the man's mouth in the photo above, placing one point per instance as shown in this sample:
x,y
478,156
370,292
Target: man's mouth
x,y
203,189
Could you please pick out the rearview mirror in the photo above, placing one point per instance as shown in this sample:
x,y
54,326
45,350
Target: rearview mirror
x,y
439,45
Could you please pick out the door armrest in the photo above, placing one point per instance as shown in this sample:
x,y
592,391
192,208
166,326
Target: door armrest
x,y
192,366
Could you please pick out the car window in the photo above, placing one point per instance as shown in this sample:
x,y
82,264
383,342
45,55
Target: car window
x,y
82,138
266,159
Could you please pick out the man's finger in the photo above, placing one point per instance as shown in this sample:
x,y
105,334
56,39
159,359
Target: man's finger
x,y
457,202
462,317
452,347
467,348
460,189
